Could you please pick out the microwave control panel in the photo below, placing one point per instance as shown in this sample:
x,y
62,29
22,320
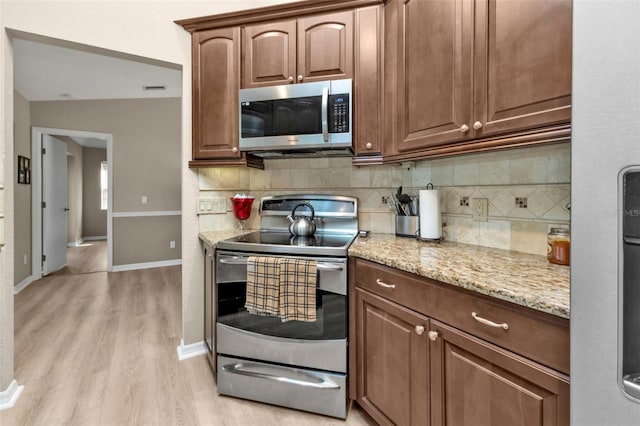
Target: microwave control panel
x,y
339,113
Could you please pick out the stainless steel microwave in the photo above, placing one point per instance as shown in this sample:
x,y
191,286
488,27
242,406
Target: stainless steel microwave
x,y
297,118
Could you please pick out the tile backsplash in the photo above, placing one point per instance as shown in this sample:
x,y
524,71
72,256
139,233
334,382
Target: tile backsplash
x,y
528,191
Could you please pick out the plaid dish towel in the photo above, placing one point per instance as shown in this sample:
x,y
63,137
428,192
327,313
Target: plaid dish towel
x,y
263,281
298,290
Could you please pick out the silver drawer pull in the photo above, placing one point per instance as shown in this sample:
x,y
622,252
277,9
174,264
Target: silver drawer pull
x,y
330,267
489,323
385,285
312,382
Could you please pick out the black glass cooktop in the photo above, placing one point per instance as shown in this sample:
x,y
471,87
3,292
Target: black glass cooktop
x,y
285,243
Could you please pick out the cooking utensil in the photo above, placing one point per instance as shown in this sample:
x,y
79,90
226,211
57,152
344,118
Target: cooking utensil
x,y
302,226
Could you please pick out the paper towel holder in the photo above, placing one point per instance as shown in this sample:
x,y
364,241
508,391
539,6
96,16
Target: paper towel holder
x,y
430,187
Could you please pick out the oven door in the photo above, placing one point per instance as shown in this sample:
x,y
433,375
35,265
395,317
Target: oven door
x,y
320,344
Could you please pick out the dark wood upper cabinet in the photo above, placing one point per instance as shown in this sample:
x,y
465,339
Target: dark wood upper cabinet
x,y
325,47
268,54
319,47
522,65
461,71
434,72
367,81
216,81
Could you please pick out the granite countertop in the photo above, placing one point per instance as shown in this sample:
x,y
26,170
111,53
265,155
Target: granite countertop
x,y
525,279
212,237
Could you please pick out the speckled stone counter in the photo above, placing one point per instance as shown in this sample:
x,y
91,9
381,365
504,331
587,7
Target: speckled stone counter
x,y
212,237
524,279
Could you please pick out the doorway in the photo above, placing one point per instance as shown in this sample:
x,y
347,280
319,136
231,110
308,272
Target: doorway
x,y
38,231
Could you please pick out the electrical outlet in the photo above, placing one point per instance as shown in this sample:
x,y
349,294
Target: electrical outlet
x,y
480,209
172,244
26,259
144,199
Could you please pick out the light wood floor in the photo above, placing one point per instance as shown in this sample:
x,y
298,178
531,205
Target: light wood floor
x,y
98,349
90,256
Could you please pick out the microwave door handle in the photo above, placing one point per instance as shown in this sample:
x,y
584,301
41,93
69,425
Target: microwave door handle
x,y
324,116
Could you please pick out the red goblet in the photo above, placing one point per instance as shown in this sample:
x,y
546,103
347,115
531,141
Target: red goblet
x,y
242,209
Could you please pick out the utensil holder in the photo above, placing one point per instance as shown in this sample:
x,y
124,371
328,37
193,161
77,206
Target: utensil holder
x,y
407,226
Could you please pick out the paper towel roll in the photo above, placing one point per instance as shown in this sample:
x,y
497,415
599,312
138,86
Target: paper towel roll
x,y
430,228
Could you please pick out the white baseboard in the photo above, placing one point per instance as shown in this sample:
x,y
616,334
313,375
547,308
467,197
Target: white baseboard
x,y
147,265
190,351
95,238
9,397
22,284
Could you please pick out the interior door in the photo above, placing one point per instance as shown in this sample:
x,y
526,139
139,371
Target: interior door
x,y
54,207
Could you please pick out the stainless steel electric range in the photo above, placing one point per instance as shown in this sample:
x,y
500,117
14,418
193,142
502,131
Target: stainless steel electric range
x,y
296,364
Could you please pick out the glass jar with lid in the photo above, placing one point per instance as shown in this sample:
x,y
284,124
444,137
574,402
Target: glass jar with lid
x,y
559,246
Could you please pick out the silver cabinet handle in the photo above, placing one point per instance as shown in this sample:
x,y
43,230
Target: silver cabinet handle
x,y
464,128
368,145
385,285
477,125
300,77
419,329
234,149
329,267
433,336
484,321
313,382
324,113
290,79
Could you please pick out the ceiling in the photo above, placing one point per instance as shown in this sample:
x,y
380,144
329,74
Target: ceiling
x,y
56,70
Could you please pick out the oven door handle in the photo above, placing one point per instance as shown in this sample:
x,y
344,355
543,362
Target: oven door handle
x,y
330,266
242,260
318,382
233,260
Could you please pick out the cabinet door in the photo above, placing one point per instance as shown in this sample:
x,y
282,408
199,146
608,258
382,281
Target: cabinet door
x,y
216,81
209,291
476,383
368,82
392,361
269,54
431,51
522,64
325,47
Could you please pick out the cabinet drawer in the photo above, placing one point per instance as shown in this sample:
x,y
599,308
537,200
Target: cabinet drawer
x,y
536,335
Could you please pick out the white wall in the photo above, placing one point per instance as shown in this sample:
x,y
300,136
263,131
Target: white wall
x,y
606,138
135,27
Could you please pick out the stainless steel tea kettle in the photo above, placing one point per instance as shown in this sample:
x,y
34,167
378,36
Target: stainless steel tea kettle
x,y
302,226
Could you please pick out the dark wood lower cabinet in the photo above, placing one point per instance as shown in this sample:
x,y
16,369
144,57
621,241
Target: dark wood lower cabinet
x,y
479,384
393,369
409,367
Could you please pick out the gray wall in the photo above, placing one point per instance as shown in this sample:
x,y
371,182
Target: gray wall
x,y
22,193
74,191
146,160
94,220
606,129
158,231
